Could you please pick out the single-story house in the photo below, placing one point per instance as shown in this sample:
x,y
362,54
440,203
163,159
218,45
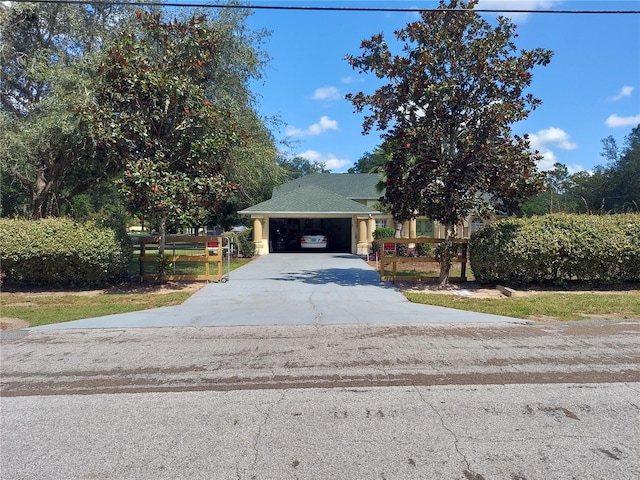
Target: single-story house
x,y
344,205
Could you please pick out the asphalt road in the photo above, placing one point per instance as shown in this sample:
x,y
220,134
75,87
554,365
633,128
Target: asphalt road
x,y
481,401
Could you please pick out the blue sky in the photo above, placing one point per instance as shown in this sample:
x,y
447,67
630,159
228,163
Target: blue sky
x,y
590,90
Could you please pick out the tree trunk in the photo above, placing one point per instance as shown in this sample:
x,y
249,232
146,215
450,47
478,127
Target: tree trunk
x,y
40,193
398,232
445,257
43,196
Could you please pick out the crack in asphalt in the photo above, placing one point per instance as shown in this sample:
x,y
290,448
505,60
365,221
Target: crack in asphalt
x,y
258,436
474,475
314,306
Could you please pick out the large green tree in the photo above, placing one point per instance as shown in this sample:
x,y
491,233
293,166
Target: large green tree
x,y
446,115
153,111
369,162
557,196
615,187
46,55
50,162
252,165
297,166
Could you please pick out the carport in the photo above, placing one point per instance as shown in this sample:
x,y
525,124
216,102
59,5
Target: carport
x,y
285,233
278,223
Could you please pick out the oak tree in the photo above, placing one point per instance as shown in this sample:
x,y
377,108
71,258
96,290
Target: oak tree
x,y
47,52
369,162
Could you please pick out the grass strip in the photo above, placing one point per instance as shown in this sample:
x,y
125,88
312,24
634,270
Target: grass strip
x,y
55,308
561,306
44,310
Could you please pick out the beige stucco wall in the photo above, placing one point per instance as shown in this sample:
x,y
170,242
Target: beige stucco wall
x,y
361,231
261,232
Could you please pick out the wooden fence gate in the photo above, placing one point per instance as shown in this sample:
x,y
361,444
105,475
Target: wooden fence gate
x,y
390,255
186,253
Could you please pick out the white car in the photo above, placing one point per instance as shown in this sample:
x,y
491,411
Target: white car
x,y
314,238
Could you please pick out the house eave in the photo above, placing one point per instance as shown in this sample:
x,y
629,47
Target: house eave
x,y
280,213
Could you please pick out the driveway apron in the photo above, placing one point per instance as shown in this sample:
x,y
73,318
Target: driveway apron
x,y
292,289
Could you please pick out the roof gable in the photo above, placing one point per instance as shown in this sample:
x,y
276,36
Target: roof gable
x,y
309,199
355,186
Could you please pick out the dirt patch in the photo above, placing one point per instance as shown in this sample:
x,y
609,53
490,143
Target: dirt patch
x,y
462,289
476,290
7,323
123,288
155,288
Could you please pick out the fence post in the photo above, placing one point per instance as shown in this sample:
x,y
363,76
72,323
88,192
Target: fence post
x,y
141,261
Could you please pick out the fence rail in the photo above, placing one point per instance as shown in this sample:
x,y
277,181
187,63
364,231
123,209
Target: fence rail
x,y
389,256
206,250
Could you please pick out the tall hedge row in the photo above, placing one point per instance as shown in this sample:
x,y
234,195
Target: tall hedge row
x,y
59,252
601,249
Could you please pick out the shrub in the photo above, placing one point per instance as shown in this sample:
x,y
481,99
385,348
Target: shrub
x,y
378,233
424,249
59,252
243,242
558,248
247,249
383,232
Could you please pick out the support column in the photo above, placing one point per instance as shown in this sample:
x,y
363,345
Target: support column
x,y
413,223
372,227
257,235
362,247
406,229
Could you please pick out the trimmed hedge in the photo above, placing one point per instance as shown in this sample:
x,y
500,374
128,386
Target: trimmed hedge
x,y
60,252
558,248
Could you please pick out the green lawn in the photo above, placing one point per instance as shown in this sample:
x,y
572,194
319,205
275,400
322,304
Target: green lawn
x,y
178,268
428,270
43,309
558,305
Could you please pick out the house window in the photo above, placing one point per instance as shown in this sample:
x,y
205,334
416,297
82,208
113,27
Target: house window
x,y
381,223
424,228
476,224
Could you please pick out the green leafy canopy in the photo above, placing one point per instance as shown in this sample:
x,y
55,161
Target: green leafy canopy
x,y
446,113
153,111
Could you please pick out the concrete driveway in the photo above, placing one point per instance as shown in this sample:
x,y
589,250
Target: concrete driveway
x,y
292,289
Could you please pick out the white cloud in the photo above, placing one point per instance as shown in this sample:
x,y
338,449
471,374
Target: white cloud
x,y
326,93
322,126
555,136
547,138
349,80
624,92
516,5
330,161
616,121
575,168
